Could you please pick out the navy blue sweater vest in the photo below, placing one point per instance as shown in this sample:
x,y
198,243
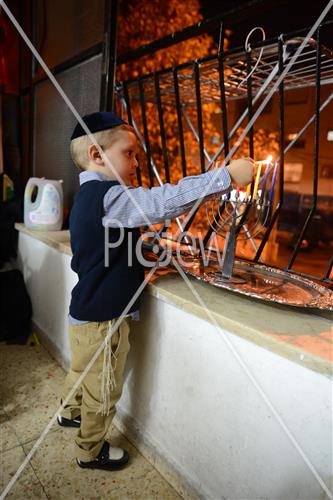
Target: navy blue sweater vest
x,y
102,292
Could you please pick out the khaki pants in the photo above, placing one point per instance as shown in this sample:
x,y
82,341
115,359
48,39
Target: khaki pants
x,y
84,341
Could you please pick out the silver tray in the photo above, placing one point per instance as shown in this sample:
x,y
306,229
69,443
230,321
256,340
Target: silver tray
x,y
259,281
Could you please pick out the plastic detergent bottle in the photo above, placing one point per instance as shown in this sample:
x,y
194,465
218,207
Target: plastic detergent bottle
x,y
43,204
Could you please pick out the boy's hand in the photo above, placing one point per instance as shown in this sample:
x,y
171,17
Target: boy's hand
x,y
241,171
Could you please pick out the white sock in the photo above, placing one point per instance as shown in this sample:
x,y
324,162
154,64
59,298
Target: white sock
x,y
115,453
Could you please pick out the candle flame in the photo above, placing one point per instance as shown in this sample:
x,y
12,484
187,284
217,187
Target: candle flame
x,y
268,160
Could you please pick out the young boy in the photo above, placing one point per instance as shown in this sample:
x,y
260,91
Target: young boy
x,y
102,293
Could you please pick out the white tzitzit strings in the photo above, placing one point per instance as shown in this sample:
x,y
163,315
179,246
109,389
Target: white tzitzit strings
x,y
108,379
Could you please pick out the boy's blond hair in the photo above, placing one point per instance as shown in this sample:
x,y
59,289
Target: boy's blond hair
x,y
105,139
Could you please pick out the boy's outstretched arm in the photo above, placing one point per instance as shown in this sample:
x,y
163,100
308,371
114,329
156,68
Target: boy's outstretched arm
x,y
170,200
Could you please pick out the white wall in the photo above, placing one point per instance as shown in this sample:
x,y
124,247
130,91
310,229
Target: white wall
x,y
49,281
187,397
190,397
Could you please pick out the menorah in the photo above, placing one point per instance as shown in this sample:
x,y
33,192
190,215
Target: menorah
x,y
242,215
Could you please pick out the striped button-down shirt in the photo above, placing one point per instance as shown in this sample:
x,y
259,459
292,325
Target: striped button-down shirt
x,y
157,204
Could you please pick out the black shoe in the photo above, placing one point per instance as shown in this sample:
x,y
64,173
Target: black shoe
x,y
66,422
107,459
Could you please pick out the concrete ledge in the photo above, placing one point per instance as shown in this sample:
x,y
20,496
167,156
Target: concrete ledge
x,y
56,239
296,334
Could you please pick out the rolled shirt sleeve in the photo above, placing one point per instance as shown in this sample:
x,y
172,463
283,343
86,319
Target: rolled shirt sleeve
x,y
160,203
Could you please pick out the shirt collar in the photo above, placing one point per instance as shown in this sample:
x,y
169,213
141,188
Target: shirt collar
x,y
90,175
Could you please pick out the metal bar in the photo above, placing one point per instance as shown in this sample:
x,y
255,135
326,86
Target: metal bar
x,y
329,269
310,67
180,123
142,142
222,92
32,92
145,132
220,58
109,56
229,248
162,129
281,146
211,228
127,102
199,114
34,62
250,134
163,141
316,156
23,173
130,121
249,101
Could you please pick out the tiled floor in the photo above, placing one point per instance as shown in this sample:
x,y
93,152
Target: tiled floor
x,y
30,383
